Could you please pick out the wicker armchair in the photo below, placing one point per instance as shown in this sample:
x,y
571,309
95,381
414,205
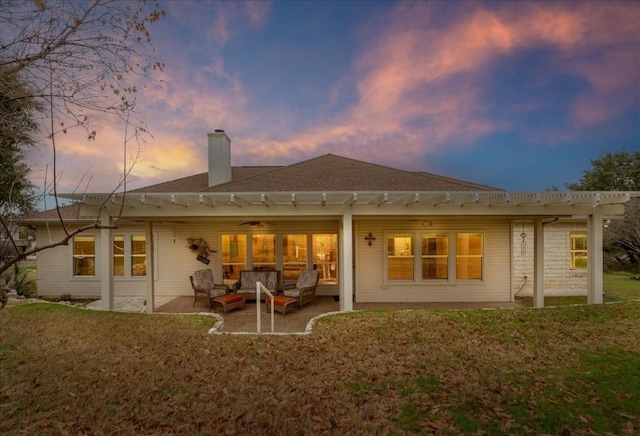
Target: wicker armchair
x,y
203,285
305,288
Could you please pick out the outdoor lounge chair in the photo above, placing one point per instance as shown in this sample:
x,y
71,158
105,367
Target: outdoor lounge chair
x,y
305,288
203,285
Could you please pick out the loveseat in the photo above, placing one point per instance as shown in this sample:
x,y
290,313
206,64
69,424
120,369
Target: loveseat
x,y
248,280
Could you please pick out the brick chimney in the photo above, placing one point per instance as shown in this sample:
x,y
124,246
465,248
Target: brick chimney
x,y
219,157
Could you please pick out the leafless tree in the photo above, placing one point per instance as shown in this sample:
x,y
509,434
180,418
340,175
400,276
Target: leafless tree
x,y
75,59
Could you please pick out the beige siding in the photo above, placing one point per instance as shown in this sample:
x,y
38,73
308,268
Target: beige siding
x,y
370,263
55,269
174,261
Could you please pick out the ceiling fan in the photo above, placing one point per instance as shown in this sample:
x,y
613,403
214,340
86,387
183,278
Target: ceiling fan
x,y
259,224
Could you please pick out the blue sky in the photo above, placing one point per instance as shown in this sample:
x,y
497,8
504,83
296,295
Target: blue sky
x,y
516,95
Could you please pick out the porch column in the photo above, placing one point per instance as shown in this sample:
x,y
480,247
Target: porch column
x,y
538,263
106,262
346,262
148,237
594,257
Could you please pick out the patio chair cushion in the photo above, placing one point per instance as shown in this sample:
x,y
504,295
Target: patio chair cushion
x,y
281,303
230,298
280,300
229,302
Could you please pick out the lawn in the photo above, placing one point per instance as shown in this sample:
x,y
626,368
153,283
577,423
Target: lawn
x,y
569,370
617,287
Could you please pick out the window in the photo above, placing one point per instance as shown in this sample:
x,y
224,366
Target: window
x,y
469,253
138,256
263,249
234,255
435,256
84,256
294,255
325,257
400,257
118,255
289,253
578,250
129,254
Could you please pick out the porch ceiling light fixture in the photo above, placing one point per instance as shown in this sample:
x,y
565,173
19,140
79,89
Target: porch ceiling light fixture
x,y
370,238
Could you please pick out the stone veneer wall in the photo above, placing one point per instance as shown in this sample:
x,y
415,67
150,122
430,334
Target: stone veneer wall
x,y
559,278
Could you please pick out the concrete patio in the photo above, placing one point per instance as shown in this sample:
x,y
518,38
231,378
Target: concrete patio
x,y
244,320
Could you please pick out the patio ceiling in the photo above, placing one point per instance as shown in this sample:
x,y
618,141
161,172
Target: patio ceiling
x,y
367,202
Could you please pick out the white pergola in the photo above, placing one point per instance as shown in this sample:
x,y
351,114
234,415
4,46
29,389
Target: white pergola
x,y
347,205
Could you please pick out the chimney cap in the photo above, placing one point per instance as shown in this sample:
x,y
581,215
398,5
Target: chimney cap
x,y
219,131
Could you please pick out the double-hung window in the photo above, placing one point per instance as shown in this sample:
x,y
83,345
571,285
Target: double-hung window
x,y
469,256
129,255
84,256
435,256
421,257
400,256
578,250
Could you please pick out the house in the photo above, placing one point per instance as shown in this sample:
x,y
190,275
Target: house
x,y
376,234
15,240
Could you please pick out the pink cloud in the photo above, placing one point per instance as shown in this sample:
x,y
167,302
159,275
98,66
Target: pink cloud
x,y
420,73
419,86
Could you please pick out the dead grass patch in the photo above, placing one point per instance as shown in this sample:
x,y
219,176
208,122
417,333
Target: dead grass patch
x,y
574,370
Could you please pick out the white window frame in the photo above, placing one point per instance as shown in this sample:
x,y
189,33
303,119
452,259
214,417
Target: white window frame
x,y
96,267
573,251
128,256
418,256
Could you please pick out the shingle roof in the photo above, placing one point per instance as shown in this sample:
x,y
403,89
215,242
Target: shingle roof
x,y
69,213
200,182
321,174
324,173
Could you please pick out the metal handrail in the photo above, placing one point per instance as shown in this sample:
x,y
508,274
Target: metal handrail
x,y
260,286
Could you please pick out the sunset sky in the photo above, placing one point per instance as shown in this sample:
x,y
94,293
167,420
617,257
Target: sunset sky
x,y
517,95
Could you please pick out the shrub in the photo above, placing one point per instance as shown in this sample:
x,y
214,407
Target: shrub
x,y
18,279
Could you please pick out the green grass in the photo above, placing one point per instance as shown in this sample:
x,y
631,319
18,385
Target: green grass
x,y
565,370
621,286
617,287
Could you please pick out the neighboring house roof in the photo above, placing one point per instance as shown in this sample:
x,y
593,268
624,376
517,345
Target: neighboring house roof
x,y
69,213
325,173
